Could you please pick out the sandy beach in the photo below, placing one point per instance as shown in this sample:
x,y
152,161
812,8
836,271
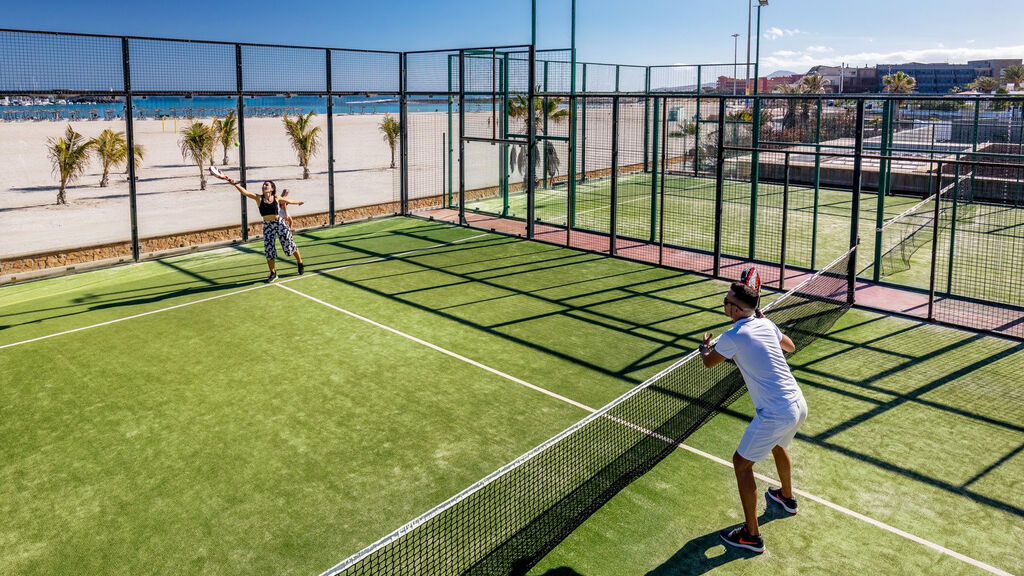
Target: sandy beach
x,y
168,191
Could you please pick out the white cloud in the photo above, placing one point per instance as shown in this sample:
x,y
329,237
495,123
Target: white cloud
x,y
811,56
774,33
818,49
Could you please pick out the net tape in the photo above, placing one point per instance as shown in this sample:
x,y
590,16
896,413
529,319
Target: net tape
x,y
507,522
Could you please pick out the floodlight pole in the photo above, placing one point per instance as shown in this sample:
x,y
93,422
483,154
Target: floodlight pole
x,y
746,77
735,52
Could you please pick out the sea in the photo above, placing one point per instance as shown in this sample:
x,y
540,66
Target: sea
x,y
29,108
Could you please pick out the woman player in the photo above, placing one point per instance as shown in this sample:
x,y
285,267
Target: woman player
x,y
274,228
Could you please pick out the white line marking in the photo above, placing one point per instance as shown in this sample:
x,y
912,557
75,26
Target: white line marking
x,y
713,458
257,287
441,350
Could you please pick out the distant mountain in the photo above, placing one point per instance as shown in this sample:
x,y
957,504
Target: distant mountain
x,y
778,73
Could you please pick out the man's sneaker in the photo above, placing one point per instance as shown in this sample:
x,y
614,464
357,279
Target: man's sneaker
x,y
740,538
789,504
301,268
272,277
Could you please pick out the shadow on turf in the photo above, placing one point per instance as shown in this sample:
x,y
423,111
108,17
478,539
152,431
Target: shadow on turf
x,y
695,556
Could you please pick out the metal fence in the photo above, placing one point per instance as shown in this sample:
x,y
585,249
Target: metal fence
x,y
664,164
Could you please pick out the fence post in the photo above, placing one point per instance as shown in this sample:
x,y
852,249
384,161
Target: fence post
x,y
130,136
583,129
330,143
664,164
974,141
755,169
858,168
719,189
462,137
817,184
785,218
884,173
654,170
531,143
504,134
451,149
403,135
647,120
615,176
952,228
696,131
544,111
935,246
241,140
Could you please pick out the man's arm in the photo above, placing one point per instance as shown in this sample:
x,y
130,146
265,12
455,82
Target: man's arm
x,y
708,354
787,344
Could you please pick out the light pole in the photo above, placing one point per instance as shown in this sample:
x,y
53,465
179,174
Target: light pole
x,y
735,52
750,6
757,55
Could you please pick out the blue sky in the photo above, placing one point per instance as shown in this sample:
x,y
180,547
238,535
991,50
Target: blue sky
x,y
795,33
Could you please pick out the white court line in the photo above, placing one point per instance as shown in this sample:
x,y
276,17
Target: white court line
x,y
809,496
257,287
441,350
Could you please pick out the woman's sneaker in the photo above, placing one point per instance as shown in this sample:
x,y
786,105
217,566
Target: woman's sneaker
x,y
789,504
740,538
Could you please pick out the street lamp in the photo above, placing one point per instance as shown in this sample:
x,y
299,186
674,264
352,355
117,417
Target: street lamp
x,y
735,51
750,6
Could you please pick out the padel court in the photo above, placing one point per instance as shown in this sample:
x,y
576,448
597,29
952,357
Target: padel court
x,y
181,416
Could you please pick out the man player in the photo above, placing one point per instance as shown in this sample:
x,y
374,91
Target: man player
x,y
756,345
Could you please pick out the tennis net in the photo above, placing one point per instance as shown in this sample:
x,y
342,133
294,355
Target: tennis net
x,y
507,522
907,232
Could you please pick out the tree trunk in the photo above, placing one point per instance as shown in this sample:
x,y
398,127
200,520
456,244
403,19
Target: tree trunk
x,y
106,179
202,178
305,172
392,155
224,162
61,198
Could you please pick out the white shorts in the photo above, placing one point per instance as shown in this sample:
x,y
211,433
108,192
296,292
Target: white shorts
x,y
766,431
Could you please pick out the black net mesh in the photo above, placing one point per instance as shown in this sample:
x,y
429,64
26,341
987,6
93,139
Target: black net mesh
x,y
43,62
375,72
507,522
171,66
276,69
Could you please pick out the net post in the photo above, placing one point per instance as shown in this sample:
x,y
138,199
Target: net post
x,y
403,131
615,176
129,126
462,139
935,244
531,143
654,169
858,168
719,189
330,143
785,218
241,140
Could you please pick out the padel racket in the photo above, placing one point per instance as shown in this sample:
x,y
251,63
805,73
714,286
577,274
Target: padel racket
x,y
217,173
752,279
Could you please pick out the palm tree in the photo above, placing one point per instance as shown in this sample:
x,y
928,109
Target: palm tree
x,y
304,139
139,156
814,84
1014,74
227,133
985,84
550,108
899,83
391,130
70,157
197,143
789,119
111,149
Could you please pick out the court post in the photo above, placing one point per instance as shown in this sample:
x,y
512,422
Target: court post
x,y
817,184
647,122
785,218
661,213
531,142
935,244
614,213
129,126
858,168
654,167
241,140
719,188
403,135
330,143
462,137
